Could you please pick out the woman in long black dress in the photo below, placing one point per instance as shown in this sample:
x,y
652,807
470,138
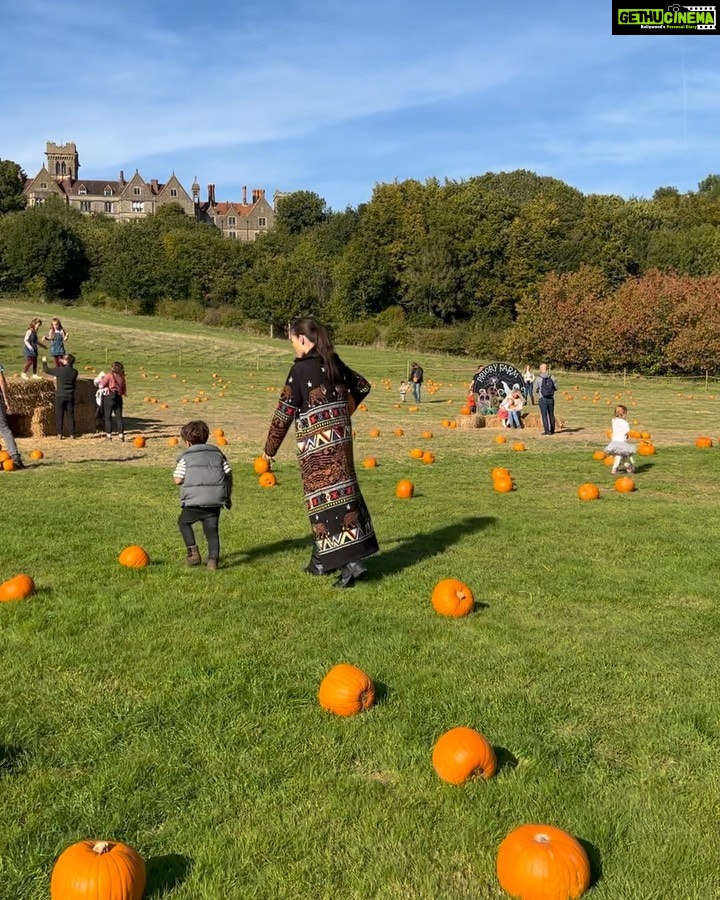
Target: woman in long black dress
x,y
319,395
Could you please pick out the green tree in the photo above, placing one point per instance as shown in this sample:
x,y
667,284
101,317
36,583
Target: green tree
x,y
12,181
300,210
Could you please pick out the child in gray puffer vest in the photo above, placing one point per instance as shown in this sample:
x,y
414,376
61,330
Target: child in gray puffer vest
x,y
205,480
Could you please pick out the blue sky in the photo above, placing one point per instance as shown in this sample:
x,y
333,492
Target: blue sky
x,y
334,97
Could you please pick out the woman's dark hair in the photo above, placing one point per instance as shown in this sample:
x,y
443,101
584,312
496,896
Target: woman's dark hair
x,y
318,335
196,432
118,368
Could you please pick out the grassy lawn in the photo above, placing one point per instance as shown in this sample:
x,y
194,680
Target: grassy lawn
x,y
176,709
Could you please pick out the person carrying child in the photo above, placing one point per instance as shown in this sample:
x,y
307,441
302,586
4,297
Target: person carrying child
x,y
619,445
403,390
205,480
115,388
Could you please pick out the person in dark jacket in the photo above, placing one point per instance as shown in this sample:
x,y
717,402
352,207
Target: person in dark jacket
x,y
65,377
205,480
416,378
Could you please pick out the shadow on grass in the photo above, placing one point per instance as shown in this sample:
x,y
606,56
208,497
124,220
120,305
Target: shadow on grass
x,y
11,758
506,760
164,873
244,556
420,546
593,853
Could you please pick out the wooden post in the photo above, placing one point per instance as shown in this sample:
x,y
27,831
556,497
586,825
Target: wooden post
x,y
271,330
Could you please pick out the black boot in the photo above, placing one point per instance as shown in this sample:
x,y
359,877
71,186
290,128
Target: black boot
x,y
315,567
349,574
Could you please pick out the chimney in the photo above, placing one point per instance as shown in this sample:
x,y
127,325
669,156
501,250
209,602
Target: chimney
x,y
244,195
255,195
122,177
211,194
262,194
154,185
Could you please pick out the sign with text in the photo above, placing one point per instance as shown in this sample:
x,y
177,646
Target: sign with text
x,y
670,19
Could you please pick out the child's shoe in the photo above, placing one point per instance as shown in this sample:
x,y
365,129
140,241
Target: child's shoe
x,y
193,556
613,471
211,564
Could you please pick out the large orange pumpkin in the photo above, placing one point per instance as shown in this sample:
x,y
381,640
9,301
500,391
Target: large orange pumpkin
x,y
374,432
703,442
541,862
173,442
218,433
267,479
428,457
370,462
451,597
139,441
599,454
261,465
503,484
498,471
4,455
463,753
106,870
9,465
500,439
588,491
646,449
398,431
36,454
18,588
404,489
625,485
416,453
464,410
518,446
426,435
346,690
134,557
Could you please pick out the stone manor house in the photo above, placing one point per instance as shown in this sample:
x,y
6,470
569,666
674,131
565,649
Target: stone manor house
x,y
135,198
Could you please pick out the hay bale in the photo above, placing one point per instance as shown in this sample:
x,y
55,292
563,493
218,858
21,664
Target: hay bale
x,y
33,407
474,420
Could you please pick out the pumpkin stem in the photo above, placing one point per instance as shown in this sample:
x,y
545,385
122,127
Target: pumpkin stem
x,y
542,839
102,847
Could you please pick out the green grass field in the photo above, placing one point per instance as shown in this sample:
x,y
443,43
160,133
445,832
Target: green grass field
x,y
176,709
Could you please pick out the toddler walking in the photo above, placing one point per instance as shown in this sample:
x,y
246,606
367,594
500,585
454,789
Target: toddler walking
x,y
205,480
403,390
619,445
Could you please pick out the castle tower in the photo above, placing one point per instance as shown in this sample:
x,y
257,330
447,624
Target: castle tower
x,y
195,188
62,160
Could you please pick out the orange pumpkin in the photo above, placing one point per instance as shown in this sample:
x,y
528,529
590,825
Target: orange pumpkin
x,y
261,465
609,460
588,491
703,442
221,441
346,690
599,454
412,409
451,597
134,557
499,470
218,433
541,862
398,431
464,410
9,465
500,439
267,479
426,435
370,462
625,485
462,754
4,455
374,432
404,489
518,446
139,441
99,869
416,453
36,454
428,458
646,449
503,484
173,442
18,588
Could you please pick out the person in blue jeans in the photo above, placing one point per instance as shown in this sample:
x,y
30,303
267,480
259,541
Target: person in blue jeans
x,y
6,434
416,377
545,387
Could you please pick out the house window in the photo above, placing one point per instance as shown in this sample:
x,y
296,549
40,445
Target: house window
x,y
108,206
107,192
231,234
231,220
173,192
262,222
136,191
212,219
138,206
85,206
82,191
43,185
39,201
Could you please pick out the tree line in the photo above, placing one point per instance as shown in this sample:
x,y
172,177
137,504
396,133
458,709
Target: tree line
x,y
504,262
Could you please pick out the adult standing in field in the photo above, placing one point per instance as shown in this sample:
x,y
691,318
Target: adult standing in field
x,y
317,396
30,349
112,401
416,378
6,434
65,377
545,387
529,384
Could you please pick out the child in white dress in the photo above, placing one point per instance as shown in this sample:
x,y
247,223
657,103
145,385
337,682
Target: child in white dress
x,y
619,445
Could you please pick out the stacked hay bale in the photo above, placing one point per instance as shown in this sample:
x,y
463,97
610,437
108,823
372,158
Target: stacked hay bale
x,y
474,420
33,407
